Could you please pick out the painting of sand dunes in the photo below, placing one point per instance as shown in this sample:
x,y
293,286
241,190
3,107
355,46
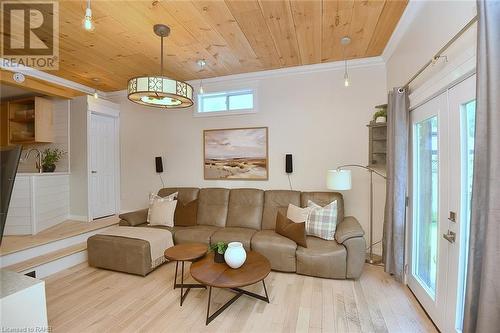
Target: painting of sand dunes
x,y
236,153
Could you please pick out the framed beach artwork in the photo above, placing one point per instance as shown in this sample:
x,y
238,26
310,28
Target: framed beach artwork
x,y
236,153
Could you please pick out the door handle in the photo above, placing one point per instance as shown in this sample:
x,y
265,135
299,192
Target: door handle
x,y
452,217
94,171
450,236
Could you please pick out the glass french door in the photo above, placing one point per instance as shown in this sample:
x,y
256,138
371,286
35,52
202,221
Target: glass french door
x,y
442,151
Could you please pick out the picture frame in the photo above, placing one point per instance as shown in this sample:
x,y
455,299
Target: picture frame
x,y
236,153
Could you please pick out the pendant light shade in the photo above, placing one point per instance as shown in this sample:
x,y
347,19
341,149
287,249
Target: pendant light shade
x,y
158,90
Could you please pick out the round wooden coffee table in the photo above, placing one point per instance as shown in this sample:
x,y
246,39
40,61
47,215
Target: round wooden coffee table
x,y
255,269
182,253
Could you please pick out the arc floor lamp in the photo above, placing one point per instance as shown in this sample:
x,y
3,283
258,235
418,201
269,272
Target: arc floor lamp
x,y
340,180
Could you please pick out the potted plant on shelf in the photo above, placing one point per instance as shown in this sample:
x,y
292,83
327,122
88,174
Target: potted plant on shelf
x,y
50,157
381,115
218,248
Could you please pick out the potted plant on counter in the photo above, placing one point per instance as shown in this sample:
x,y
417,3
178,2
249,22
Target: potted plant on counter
x,y
218,248
50,157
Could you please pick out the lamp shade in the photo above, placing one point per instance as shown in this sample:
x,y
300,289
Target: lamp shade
x,y
338,180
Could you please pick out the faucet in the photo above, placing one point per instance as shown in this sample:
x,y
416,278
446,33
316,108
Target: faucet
x,y
39,158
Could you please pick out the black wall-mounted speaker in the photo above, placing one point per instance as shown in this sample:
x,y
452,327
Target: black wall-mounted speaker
x,y
159,164
288,163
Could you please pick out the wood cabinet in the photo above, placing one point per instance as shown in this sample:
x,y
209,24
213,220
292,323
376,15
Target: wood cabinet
x,y
377,144
27,121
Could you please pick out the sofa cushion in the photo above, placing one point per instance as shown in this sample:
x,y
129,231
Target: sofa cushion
x,y
185,214
279,250
234,234
245,208
322,258
323,199
195,234
212,206
275,201
185,194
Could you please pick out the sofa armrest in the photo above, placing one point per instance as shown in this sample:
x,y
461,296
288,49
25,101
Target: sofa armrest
x,y
350,234
347,229
134,218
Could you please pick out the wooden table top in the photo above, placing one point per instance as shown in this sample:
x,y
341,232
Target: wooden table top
x,y
210,273
186,252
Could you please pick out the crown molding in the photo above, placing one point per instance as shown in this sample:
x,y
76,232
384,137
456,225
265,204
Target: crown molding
x,y
303,69
411,11
295,70
37,74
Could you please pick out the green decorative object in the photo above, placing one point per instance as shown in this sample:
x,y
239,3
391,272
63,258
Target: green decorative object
x,y
381,115
50,157
218,248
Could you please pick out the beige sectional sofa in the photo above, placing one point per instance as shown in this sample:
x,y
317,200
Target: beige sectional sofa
x,y
247,216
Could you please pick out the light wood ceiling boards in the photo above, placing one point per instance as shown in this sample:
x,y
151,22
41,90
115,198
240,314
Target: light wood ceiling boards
x,y
233,36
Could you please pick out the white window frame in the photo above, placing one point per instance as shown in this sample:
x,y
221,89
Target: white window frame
x,y
228,90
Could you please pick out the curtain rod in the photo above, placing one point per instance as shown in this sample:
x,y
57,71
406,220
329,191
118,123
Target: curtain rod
x,y
444,48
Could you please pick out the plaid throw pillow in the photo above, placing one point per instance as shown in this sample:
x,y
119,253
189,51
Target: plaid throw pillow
x,y
322,221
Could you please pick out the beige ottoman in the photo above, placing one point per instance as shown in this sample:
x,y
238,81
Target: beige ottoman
x,y
129,255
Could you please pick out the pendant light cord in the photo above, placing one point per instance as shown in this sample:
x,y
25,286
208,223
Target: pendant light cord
x,y
345,62
161,60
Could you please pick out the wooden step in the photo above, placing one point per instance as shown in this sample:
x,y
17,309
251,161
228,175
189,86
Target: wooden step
x,y
66,229
46,258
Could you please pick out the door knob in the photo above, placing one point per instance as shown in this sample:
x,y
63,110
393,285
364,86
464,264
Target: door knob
x,y
450,236
94,171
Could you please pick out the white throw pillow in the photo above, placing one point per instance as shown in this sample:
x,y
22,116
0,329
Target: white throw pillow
x,y
169,197
161,210
322,221
297,214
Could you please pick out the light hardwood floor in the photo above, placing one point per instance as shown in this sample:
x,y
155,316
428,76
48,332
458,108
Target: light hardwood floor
x,y
66,229
85,299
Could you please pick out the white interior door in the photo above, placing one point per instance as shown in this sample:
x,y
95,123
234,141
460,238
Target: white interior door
x,y
442,153
102,165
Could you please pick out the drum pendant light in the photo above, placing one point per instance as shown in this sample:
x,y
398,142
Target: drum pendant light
x,y
158,90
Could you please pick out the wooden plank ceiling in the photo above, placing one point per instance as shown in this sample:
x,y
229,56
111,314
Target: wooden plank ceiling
x,y
232,36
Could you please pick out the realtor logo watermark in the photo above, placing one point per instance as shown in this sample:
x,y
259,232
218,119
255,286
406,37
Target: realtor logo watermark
x,y
30,34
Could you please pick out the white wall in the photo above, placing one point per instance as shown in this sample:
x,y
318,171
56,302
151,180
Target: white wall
x,y
424,29
310,115
78,177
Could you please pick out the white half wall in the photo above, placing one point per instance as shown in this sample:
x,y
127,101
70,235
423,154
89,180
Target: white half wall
x,y
310,115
